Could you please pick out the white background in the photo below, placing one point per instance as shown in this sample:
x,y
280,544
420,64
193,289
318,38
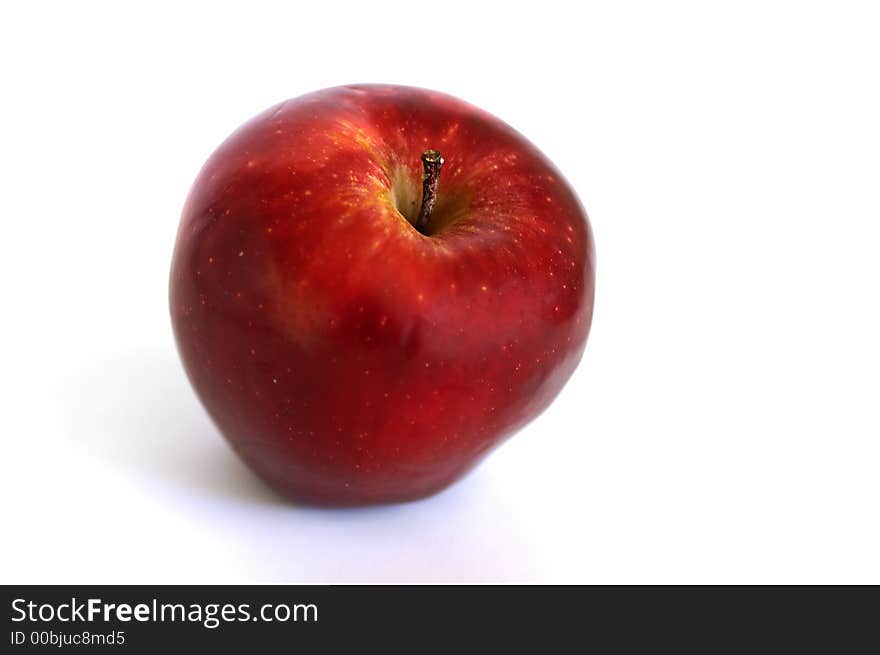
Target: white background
x,y
724,426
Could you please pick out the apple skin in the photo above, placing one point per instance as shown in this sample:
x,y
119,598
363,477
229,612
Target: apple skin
x,y
348,358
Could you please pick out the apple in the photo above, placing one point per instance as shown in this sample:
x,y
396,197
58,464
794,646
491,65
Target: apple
x,y
373,286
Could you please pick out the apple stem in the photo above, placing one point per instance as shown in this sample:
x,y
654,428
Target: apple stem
x,y
431,161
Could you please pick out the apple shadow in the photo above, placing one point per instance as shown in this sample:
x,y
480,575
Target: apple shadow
x,y
151,425
136,415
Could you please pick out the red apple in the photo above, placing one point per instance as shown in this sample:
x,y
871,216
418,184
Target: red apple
x,y
349,357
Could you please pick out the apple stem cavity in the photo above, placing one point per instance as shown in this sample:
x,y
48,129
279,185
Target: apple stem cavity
x,y
432,161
